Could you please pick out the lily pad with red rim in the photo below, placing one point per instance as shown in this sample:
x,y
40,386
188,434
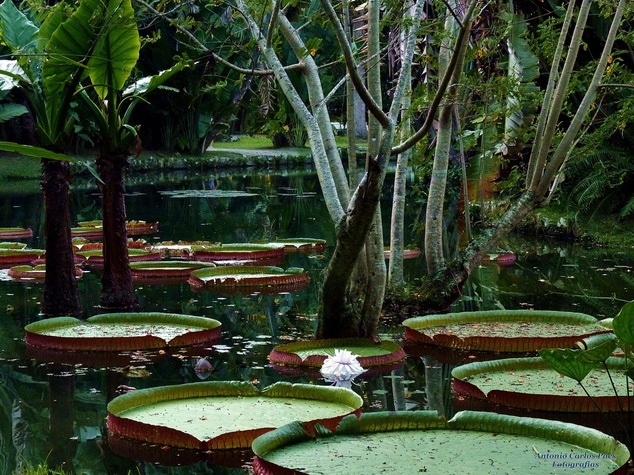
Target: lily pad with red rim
x,y
530,383
163,271
13,257
122,331
222,415
504,331
304,245
94,257
12,245
312,353
471,443
37,272
16,233
237,253
248,279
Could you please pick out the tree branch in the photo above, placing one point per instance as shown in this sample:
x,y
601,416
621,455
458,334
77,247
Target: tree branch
x,y
461,44
351,65
204,49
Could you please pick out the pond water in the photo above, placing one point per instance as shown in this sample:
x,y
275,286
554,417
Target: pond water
x,y
55,413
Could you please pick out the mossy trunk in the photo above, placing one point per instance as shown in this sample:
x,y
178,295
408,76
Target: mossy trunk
x,y
117,292
61,294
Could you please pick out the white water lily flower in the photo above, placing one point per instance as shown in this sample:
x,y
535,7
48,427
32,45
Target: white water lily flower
x,y
341,369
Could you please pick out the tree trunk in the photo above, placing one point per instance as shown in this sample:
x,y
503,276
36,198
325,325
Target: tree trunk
x,y
117,292
61,294
341,312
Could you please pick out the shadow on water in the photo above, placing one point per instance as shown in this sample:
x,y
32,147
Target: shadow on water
x,y
55,412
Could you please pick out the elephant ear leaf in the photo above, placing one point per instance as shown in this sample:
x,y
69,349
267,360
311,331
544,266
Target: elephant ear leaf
x,y
523,66
577,363
117,49
623,326
16,30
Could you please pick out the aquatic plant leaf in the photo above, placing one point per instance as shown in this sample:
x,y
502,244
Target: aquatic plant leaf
x,y
568,362
531,383
122,331
623,324
422,442
505,331
312,353
577,363
224,415
260,278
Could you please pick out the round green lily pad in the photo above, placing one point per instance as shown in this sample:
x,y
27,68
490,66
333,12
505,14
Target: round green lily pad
x,y
507,331
237,253
305,245
37,272
224,415
471,443
162,270
12,245
122,331
13,257
530,383
94,257
264,279
312,353
16,233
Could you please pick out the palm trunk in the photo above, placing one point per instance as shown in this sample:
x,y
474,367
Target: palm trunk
x,y
117,292
61,294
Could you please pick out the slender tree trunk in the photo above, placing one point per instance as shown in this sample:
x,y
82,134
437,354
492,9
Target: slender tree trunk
x,y
397,223
117,292
61,294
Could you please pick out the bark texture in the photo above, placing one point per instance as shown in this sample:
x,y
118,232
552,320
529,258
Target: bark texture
x,y
61,296
117,292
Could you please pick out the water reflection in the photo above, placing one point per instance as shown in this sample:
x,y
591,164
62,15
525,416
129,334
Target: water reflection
x,y
69,426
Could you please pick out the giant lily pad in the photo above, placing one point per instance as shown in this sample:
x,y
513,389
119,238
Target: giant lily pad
x,y
12,245
94,257
531,383
512,331
239,253
164,271
312,353
224,415
122,331
94,229
305,245
264,279
37,272
13,257
16,233
471,443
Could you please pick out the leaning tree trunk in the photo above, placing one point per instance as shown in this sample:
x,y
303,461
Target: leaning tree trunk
x,y
117,292
61,294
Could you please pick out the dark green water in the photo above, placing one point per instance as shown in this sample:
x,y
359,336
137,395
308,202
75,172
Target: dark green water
x,y
56,413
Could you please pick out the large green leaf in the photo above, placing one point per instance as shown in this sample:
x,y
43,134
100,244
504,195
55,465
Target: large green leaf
x,y
117,49
224,415
416,442
36,152
99,39
502,330
531,383
122,331
623,324
577,363
11,111
17,31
